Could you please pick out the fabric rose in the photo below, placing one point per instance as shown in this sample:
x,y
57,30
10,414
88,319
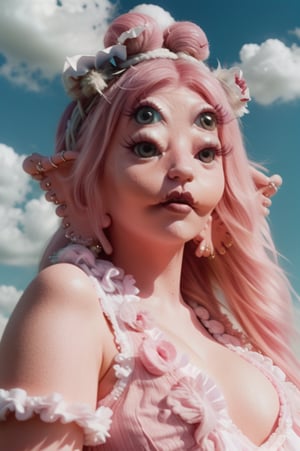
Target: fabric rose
x,y
199,401
160,356
134,317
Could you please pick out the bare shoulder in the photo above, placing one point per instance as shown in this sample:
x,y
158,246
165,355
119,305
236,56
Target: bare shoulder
x,y
55,337
66,281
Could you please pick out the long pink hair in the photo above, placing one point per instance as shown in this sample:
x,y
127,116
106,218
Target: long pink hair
x,y
248,279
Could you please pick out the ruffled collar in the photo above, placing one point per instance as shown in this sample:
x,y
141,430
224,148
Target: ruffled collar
x,y
195,397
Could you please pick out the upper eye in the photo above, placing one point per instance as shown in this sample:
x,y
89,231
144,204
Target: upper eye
x,y
206,155
207,120
147,115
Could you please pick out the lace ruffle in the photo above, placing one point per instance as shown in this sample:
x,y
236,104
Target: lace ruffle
x,y
114,289
51,408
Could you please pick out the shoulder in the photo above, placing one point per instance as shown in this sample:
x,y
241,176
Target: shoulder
x,y
56,333
67,286
58,291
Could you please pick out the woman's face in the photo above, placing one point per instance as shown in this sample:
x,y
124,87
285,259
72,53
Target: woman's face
x,y
163,173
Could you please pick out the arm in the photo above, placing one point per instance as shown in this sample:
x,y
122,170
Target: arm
x,y
53,343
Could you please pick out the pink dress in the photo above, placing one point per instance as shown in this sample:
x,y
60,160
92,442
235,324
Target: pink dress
x,y
160,400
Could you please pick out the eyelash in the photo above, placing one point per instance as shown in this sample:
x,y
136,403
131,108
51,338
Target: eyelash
x,y
140,104
130,143
221,114
223,151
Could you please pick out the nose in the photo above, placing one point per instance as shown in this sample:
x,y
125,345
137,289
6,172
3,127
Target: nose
x,y
181,168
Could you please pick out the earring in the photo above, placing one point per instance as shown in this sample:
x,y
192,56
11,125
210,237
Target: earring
x,y
221,237
204,243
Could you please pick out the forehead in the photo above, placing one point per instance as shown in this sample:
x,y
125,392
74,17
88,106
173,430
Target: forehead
x,y
172,97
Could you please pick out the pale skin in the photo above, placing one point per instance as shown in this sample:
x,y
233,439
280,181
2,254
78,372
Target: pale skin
x,y
44,351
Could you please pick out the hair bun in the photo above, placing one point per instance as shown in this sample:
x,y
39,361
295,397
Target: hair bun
x,y
151,38
187,37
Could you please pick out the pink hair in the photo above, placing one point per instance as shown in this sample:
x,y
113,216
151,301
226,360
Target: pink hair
x,y
252,284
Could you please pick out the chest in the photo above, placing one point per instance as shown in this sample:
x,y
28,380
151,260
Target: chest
x,y
206,374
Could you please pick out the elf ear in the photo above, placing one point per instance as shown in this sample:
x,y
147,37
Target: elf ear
x,y
54,174
266,187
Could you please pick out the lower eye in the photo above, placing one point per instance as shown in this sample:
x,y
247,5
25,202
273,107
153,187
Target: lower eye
x,y
145,150
206,155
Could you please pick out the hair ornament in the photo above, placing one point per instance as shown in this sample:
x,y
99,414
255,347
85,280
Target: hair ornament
x,y
132,33
86,75
235,87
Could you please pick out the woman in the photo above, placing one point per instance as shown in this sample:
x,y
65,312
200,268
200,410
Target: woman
x,y
150,175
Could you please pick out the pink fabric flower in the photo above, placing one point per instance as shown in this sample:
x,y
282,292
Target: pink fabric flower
x,y
160,356
135,318
198,401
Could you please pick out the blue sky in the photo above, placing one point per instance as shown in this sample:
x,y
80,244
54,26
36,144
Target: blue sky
x,y
262,36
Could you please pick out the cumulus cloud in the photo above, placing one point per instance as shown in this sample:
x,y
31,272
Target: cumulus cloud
x,y
9,296
163,17
272,71
25,223
296,32
35,36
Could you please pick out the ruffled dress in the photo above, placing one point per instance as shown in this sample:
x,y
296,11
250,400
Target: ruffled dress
x,y
160,400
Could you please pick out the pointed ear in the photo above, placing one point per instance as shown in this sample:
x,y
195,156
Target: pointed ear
x,y
55,175
205,247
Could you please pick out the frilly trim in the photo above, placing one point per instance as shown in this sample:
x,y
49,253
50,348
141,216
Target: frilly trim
x,y
112,280
114,289
51,408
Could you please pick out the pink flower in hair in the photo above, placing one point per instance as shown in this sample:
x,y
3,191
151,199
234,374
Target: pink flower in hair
x,y
241,83
160,356
236,88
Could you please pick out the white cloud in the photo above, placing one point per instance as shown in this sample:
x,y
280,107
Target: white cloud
x,y
295,32
25,224
9,296
14,182
35,36
163,17
272,71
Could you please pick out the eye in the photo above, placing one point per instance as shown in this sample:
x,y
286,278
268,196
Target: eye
x,y
147,115
207,120
145,149
206,155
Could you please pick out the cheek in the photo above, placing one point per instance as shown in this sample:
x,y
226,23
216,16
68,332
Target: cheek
x,y
211,190
143,179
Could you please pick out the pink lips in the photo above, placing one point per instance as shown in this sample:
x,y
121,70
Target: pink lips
x,y
180,202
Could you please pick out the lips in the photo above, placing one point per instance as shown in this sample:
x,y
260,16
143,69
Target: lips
x,y
177,201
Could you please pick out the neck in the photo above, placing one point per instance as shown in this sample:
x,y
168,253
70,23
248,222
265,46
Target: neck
x,y
156,267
